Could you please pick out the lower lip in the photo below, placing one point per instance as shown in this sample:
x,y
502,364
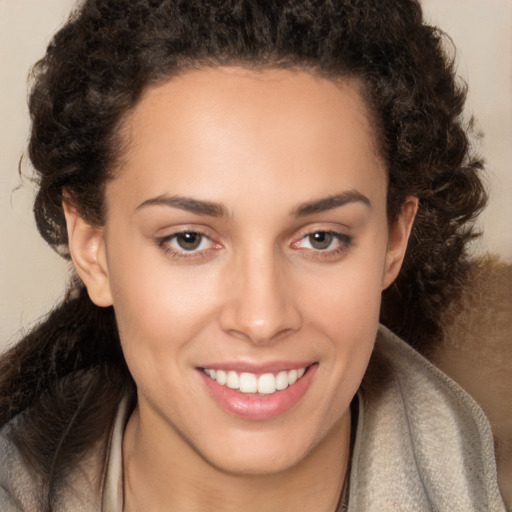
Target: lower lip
x,y
255,406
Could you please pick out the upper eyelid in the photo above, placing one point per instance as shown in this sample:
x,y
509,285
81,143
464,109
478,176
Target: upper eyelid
x,y
313,227
169,232
332,231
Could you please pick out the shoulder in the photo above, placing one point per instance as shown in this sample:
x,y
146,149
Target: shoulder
x,y
422,443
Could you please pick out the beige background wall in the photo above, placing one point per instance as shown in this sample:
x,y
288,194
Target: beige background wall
x,y
32,277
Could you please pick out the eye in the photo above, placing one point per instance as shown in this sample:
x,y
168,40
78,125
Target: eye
x,y
323,245
322,241
187,244
189,241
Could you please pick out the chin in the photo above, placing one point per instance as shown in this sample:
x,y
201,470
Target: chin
x,y
265,453
256,464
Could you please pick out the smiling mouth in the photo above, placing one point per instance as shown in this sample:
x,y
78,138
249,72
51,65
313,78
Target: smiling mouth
x,y
246,382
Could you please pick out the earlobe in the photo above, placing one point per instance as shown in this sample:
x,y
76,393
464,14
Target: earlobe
x,y
87,249
399,233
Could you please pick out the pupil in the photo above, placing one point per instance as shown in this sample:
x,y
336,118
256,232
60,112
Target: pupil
x,y
188,241
320,240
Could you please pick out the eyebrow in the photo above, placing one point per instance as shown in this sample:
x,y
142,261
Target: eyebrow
x,y
218,210
331,202
188,204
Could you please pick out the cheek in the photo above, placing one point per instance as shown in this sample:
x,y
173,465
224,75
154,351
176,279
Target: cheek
x,y
350,318
158,321
350,293
158,306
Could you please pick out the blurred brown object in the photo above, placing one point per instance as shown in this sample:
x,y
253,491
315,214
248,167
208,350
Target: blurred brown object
x,y
477,353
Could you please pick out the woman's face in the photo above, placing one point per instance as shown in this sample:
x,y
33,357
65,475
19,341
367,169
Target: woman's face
x,y
246,244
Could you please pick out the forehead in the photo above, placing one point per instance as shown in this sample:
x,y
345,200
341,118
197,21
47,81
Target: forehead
x,y
238,131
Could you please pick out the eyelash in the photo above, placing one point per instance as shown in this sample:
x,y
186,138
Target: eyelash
x,y
344,241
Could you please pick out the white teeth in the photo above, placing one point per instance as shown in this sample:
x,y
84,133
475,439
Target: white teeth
x,y
282,381
246,382
232,380
220,377
267,384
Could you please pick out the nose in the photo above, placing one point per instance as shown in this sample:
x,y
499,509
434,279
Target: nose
x,y
260,303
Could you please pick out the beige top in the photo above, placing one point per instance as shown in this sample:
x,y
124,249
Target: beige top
x,y
422,444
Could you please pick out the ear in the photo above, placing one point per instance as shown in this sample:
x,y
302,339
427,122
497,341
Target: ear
x,y
87,249
399,233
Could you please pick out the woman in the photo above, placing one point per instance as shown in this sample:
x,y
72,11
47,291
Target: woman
x,y
236,183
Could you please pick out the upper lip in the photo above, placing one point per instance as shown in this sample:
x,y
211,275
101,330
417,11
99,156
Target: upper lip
x,y
258,368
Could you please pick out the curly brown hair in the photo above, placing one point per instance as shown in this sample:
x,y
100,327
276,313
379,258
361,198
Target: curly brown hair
x,y
95,70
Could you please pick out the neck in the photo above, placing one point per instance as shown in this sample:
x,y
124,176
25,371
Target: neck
x,y
173,476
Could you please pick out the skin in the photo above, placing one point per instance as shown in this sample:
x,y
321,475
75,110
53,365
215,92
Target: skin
x,y
266,148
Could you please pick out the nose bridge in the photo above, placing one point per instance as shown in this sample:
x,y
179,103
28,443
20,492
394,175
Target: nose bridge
x,y
260,304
